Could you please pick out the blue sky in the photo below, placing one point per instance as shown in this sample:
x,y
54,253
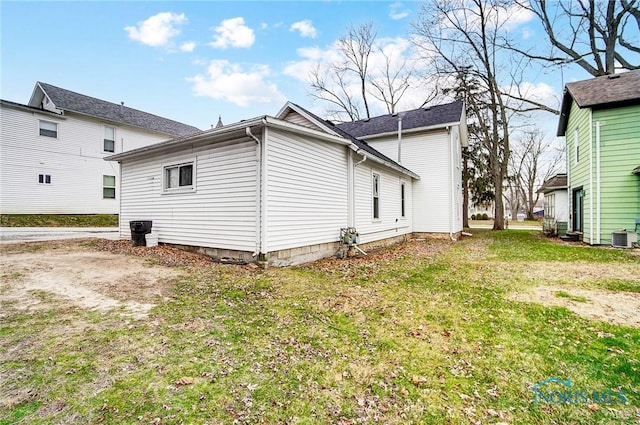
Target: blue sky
x,y
193,61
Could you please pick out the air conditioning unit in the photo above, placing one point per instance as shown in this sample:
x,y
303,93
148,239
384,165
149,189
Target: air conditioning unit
x,y
623,239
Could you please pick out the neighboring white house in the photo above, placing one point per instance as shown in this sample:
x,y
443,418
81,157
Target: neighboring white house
x,y
52,150
279,189
556,205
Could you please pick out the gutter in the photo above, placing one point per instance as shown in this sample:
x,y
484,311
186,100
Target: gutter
x,y
411,130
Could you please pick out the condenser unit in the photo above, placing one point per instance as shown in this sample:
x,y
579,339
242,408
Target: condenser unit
x,y
623,239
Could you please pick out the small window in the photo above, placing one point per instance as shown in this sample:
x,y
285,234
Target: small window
x,y
44,178
48,129
109,139
376,196
178,176
109,187
402,211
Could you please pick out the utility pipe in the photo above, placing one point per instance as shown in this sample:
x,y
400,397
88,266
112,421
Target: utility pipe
x,y
598,182
399,139
258,191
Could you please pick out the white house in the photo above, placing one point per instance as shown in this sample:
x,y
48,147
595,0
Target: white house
x,y
52,150
279,189
556,205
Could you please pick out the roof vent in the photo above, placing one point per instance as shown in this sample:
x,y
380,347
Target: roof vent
x,y
613,76
427,108
121,108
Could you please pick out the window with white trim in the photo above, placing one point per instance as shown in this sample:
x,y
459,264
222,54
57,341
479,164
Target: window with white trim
x,y
376,196
48,129
109,187
109,143
44,178
179,176
402,200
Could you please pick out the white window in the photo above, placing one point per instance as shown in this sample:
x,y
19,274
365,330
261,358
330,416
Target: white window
x,y
109,187
48,129
402,200
376,196
179,177
44,178
109,144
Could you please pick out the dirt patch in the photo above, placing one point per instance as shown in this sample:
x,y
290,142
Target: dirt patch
x,y
580,271
81,276
620,308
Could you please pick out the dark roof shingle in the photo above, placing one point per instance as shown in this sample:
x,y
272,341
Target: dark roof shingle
x,y
80,103
559,181
416,118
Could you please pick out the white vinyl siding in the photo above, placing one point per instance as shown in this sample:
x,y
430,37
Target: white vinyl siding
x,y
431,156
306,191
221,214
390,222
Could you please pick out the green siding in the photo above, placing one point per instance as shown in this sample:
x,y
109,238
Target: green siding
x,y
619,155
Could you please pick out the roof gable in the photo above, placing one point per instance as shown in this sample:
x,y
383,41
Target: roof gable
x,y
57,99
433,116
607,91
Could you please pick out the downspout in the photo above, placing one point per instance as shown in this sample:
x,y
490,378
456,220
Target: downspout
x,y
598,181
452,191
399,139
352,201
258,191
591,194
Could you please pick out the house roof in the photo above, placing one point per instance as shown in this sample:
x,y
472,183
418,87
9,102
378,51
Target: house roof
x,y
559,181
439,115
335,129
75,102
602,92
29,108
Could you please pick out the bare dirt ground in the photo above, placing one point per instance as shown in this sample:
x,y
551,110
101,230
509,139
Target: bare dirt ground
x,y
77,274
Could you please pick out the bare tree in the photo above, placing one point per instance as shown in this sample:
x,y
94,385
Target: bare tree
x,y
356,47
533,161
331,86
595,34
393,83
468,35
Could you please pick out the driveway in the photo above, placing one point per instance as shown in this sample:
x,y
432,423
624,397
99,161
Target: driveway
x,y
30,234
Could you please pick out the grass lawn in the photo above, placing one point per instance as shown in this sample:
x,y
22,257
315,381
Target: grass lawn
x,y
428,332
59,220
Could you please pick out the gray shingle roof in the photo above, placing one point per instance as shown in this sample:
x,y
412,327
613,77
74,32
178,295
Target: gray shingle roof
x,y
80,103
559,181
359,143
600,92
416,118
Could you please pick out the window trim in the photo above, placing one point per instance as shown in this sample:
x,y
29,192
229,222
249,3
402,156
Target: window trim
x,y
104,139
40,129
375,196
115,182
180,189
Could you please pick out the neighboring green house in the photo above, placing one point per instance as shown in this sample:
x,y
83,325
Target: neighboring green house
x,y
600,120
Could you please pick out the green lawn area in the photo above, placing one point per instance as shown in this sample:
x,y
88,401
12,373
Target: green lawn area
x,y
428,332
59,220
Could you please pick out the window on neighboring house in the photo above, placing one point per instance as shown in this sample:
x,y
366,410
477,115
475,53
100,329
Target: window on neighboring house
x,y
576,142
109,139
109,187
44,178
376,196
48,129
402,214
178,176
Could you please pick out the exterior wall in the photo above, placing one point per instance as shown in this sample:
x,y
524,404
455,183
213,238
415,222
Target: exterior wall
x,y
556,210
578,169
429,155
221,212
74,160
391,223
619,154
306,186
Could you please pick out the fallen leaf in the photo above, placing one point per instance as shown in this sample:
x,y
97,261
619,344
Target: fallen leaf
x,y
418,380
185,380
593,407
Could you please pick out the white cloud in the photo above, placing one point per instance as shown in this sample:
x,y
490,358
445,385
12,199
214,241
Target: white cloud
x,y
305,28
230,82
157,30
233,32
396,11
188,46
